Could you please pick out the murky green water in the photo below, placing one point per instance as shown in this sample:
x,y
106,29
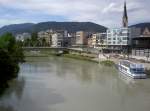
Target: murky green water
x,y
58,84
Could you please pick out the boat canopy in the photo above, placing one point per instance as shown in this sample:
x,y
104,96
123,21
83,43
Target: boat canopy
x,y
136,66
132,65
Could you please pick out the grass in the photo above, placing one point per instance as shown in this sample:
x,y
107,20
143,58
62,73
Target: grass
x,y
79,57
107,63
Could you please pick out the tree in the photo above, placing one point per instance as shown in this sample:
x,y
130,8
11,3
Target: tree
x,y
8,42
43,42
8,69
34,39
11,54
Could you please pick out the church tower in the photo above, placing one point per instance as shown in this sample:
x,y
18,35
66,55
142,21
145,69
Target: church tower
x,y
125,17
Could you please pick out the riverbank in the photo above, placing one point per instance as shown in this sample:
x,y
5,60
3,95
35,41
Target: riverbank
x,y
109,59
79,56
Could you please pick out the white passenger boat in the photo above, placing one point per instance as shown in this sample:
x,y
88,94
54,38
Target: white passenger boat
x,y
131,69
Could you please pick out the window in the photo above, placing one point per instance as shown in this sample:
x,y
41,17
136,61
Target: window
x,y
118,42
124,38
124,34
114,38
109,38
109,35
109,42
125,43
115,33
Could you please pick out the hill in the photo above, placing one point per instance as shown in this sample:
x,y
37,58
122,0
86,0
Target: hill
x,y
16,28
142,26
69,26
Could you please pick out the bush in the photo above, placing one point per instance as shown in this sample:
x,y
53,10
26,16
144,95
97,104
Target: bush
x,y
107,63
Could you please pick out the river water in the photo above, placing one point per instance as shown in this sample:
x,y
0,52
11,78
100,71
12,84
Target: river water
x,y
63,84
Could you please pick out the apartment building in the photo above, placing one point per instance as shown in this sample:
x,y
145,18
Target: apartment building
x,y
98,40
60,38
118,38
46,36
82,38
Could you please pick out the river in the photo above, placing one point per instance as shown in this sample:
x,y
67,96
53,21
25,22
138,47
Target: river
x,y
63,84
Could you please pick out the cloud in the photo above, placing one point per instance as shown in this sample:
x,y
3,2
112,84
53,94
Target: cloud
x,y
108,12
111,7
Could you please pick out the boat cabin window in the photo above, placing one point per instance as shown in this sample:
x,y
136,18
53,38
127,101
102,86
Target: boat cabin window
x,y
137,70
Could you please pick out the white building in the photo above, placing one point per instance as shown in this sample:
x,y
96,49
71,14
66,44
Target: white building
x,y
118,38
23,36
57,39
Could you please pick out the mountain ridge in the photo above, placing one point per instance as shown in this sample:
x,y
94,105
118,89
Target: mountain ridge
x,y
69,26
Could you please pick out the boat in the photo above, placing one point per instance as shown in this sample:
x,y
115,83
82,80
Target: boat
x,y
133,70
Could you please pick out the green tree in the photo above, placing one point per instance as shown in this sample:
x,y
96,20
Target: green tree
x,y
43,42
8,69
11,54
34,39
8,42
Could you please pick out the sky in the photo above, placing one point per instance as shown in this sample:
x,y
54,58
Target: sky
x,y
104,12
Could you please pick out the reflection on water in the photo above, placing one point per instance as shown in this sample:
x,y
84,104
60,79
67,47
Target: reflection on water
x,y
13,93
61,84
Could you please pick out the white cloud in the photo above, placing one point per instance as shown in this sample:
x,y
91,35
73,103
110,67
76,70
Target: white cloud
x,y
109,8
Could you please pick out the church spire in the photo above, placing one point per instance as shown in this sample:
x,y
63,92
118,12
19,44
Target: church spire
x,y
125,16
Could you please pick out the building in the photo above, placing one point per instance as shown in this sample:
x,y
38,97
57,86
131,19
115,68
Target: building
x,y
118,39
45,36
141,42
90,42
60,39
99,40
125,17
82,38
57,40
71,39
23,36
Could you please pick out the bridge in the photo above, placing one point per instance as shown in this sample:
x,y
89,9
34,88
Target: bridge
x,y
40,48
57,50
53,48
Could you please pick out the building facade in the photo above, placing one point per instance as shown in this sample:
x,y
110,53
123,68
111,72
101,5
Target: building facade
x,y
99,40
141,43
60,39
57,40
82,38
118,38
45,36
